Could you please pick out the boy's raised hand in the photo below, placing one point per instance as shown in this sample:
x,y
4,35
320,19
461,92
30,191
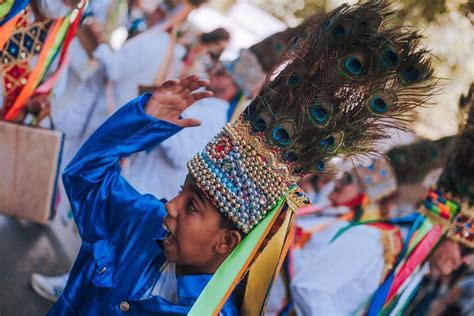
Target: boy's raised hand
x,y
175,96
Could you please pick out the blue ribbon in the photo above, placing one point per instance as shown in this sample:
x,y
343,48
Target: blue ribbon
x,y
17,6
380,296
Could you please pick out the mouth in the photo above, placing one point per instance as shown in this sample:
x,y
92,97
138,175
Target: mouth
x,y
170,237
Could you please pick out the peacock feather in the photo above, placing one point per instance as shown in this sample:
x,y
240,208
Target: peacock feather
x,y
345,80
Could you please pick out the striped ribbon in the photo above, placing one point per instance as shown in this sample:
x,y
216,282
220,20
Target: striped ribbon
x,y
57,41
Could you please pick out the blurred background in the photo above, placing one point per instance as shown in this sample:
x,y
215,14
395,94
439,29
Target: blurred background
x,y
50,248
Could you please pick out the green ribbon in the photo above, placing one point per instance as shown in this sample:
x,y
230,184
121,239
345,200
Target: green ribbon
x,y
5,7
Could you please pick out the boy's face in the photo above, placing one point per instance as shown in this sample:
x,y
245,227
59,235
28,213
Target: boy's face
x,y
448,257
196,239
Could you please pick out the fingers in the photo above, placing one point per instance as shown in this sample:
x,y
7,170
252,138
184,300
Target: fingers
x,y
192,98
193,86
189,122
168,86
184,86
171,99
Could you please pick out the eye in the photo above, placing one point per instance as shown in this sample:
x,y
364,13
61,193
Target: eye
x,y
191,207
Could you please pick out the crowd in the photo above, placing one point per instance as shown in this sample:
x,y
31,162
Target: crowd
x,y
252,186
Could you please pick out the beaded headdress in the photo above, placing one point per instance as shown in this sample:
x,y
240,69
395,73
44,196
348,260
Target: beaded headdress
x,y
346,79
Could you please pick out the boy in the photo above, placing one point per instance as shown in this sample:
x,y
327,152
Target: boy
x,y
241,189
113,219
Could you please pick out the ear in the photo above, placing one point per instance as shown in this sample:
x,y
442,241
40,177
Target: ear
x,y
229,240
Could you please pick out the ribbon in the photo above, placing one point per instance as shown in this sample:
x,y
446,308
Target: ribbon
x,y
13,11
264,270
231,271
60,35
7,29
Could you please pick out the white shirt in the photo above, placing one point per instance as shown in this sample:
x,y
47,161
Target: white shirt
x,y
278,295
84,106
138,62
167,285
163,169
340,277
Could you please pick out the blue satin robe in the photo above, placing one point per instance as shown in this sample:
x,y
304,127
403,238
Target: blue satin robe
x,y
120,257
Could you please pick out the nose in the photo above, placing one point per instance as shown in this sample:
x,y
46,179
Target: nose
x,y
171,209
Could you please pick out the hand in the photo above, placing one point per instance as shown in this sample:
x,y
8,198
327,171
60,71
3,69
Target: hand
x,y
38,104
175,96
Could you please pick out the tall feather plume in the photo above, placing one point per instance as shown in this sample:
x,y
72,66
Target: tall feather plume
x,y
413,162
345,80
458,175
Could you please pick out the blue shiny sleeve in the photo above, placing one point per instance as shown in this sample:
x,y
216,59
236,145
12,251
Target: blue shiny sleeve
x,y
100,197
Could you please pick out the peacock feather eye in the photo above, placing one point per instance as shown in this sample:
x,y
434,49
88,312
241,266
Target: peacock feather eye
x,y
341,29
378,105
283,133
332,142
320,166
320,113
410,74
354,65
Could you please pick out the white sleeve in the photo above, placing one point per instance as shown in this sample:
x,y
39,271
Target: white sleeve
x,y
133,56
339,278
180,148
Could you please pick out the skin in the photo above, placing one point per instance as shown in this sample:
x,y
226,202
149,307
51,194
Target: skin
x,y
40,17
447,257
343,193
197,241
222,84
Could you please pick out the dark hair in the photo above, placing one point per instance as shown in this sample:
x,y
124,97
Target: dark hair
x,y
219,34
225,223
466,251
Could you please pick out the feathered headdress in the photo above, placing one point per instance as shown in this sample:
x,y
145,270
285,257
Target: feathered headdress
x,y
345,79
452,202
252,65
407,164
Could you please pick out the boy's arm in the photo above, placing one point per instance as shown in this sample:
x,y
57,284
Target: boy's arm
x,y
100,197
